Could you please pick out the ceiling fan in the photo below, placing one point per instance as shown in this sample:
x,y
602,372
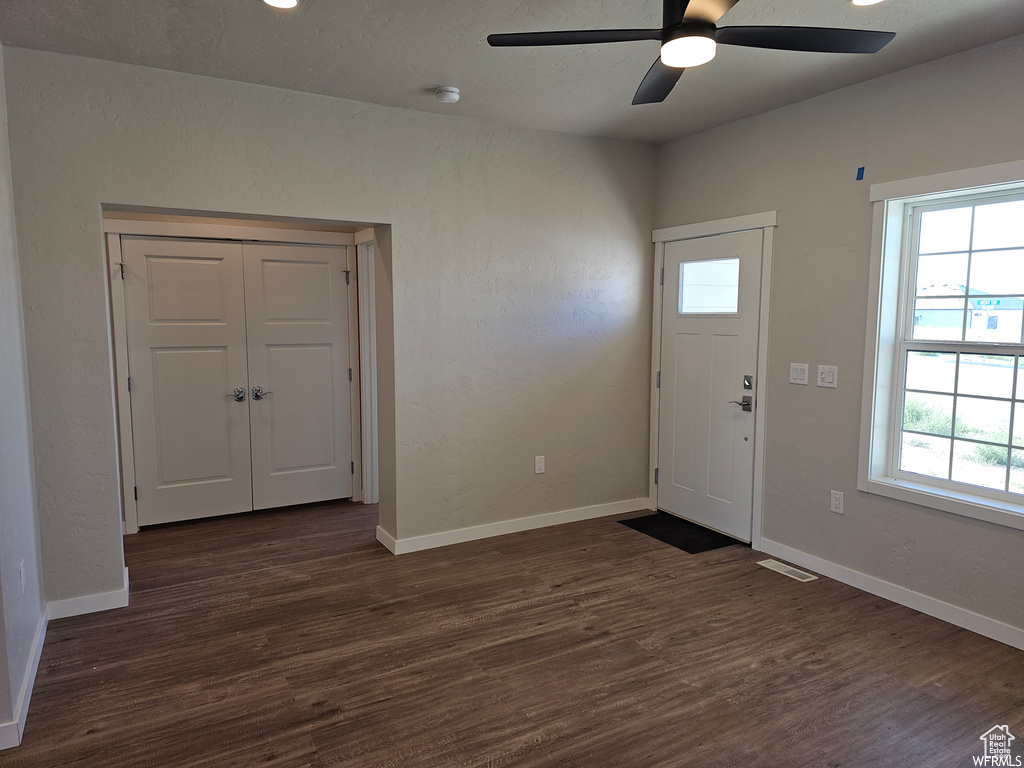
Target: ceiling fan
x,y
689,37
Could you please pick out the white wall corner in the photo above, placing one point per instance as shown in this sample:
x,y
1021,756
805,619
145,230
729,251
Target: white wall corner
x,y
961,617
79,606
11,733
516,525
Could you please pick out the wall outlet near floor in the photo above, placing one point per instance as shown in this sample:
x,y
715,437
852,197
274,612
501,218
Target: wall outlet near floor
x,y
798,373
538,465
835,503
828,376
21,575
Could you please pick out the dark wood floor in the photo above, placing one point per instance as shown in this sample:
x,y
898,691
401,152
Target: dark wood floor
x,y
292,638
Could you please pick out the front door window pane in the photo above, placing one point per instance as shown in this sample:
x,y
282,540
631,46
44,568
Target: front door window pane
x,y
709,287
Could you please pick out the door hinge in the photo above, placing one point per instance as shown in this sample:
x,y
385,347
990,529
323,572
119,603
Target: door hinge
x,y
347,273
350,374
136,493
121,265
659,380
353,467
655,475
129,383
661,280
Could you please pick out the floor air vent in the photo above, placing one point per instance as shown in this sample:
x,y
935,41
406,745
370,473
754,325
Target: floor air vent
x,y
788,570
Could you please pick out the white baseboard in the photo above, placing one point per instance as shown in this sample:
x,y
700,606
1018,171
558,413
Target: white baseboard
x,y
9,736
961,617
387,540
460,535
11,733
78,606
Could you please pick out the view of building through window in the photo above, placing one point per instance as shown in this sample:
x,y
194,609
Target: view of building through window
x,y
962,364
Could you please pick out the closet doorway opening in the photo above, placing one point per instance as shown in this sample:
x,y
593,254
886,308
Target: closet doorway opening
x,y
244,357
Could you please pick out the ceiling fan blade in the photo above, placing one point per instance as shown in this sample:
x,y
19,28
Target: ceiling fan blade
x,y
576,37
657,83
707,10
816,39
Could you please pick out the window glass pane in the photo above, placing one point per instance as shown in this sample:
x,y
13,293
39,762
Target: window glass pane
x,y
924,455
709,287
983,465
999,225
983,419
996,272
1017,471
939,319
1020,379
942,275
988,375
928,413
1018,425
948,230
935,371
995,320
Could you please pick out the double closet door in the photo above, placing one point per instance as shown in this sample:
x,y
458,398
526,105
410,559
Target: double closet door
x,y
238,355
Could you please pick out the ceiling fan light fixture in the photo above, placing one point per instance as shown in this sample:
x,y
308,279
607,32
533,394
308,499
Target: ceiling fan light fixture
x,y
688,49
282,3
866,2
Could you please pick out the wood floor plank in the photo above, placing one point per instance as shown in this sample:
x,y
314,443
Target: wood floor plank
x,y
291,639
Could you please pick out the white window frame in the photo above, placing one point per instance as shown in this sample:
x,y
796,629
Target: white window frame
x,y
883,363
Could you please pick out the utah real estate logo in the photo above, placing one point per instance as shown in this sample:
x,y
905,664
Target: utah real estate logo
x,y
998,748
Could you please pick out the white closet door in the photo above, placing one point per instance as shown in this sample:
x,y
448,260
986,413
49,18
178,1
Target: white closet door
x,y
186,339
297,326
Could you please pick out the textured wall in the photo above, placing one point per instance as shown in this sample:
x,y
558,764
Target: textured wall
x,y
20,613
521,261
960,112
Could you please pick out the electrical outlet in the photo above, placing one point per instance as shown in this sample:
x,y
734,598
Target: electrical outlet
x,y
538,465
21,575
798,373
828,376
836,502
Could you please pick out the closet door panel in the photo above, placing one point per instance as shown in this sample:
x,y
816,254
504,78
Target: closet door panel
x,y
297,329
186,346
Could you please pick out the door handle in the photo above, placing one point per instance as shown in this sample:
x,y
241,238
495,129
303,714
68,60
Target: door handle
x,y
238,394
746,403
258,393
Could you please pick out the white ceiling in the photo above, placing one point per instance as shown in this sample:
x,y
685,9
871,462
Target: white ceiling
x,y
395,52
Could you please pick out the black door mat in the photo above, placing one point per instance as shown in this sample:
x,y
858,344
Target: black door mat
x,y
683,534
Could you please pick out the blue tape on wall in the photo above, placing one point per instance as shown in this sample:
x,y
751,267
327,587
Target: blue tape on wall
x,y
860,173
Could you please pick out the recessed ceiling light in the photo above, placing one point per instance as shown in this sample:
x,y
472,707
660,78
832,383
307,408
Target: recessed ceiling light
x,y
866,2
282,3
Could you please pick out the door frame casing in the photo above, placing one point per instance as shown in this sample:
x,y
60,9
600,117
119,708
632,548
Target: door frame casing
x,y
766,222
114,229
366,245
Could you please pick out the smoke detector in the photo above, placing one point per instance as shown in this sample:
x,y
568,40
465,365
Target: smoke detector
x,y
447,94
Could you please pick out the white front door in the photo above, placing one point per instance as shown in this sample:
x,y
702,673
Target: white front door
x,y
709,345
185,309
297,319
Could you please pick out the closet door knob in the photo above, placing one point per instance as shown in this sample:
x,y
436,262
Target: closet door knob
x,y
238,394
259,394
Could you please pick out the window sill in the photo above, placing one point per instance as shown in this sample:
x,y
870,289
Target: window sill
x,y
956,502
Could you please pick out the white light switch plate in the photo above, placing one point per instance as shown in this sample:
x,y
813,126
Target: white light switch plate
x,y
798,373
828,376
538,465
